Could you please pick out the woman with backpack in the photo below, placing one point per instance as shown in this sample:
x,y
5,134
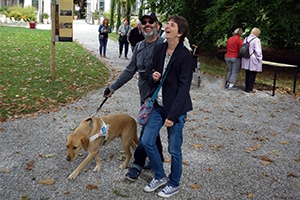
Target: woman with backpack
x,y
232,59
253,64
103,30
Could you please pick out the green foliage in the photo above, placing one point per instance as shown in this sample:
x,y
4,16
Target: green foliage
x,y
45,15
26,85
112,13
211,22
96,14
118,15
28,13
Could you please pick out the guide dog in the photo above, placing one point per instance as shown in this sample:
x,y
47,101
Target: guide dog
x,y
92,133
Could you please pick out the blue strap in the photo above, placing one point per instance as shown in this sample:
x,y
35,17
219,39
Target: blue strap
x,y
160,84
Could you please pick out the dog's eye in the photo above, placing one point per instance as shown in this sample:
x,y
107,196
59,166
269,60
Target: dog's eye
x,y
67,146
74,148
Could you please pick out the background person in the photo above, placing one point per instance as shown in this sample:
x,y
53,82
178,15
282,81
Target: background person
x,y
141,58
124,31
136,35
232,59
172,103
253,64
103,30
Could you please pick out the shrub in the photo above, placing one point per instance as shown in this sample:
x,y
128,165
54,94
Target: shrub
x,y
28,13
45,15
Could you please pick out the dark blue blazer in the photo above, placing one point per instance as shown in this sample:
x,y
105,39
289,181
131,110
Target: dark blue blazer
x,y
176,87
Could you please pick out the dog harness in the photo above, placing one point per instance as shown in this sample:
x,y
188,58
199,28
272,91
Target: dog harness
x,y
103,132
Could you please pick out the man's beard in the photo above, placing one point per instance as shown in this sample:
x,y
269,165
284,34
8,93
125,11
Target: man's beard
x,y
151,35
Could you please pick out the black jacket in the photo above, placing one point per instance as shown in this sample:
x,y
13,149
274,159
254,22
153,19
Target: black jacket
x,y
135,36
176,87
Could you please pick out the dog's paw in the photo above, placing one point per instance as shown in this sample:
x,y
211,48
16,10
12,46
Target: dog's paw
x,y
97,169
73,176
123,166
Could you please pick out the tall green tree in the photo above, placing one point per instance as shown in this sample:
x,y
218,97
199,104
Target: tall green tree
x,y
112,13
119,4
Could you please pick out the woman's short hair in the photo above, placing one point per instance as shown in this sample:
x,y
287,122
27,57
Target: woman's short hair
x,y
183,25
238,31
255,31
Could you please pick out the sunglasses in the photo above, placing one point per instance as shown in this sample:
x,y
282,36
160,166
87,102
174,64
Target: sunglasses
x,y
145,22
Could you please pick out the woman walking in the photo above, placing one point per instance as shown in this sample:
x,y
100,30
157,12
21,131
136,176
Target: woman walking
x,y
103,30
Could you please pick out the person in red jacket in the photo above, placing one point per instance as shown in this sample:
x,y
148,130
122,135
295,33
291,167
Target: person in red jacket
x,y
232,59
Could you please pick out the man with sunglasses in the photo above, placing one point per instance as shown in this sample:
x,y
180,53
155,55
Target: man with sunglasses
x,y
141,59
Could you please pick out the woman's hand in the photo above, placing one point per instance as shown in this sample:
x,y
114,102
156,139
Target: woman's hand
x,y
156,76
168,123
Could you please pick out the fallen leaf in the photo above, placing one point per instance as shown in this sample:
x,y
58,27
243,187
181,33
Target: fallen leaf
x,y
90,187
66,192
297,159
195,186
111,156
197,145
267,159
284,142
5,170
30,165
293,175
250,149
208,169
185,162
50,155
250,195
47,181
274,134
265,163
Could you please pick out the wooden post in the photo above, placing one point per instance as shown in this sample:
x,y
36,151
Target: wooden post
x,y
53,7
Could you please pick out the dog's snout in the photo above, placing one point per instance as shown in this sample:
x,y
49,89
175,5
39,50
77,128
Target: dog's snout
x,y
68,158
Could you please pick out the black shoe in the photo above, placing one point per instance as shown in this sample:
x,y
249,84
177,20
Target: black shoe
x,y
147,166
133,174
232,88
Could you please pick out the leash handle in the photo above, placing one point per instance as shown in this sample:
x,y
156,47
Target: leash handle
x,y
100,106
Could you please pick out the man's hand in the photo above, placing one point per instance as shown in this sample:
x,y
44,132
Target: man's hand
x,y
107,92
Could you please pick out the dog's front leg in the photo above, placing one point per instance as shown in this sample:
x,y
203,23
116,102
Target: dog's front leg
x,y
98,163
81,166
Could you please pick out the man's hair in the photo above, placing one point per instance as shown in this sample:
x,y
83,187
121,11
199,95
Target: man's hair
x,y
183,25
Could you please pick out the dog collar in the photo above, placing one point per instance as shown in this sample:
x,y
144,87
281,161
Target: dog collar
x,y
103,132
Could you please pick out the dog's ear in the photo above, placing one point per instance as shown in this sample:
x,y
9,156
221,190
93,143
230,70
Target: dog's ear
x,y
85,143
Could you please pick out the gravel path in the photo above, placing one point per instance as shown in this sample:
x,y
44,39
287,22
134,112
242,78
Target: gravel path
x,y
236,145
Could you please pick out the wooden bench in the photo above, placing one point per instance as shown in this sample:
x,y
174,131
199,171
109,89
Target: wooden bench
x,y
281,65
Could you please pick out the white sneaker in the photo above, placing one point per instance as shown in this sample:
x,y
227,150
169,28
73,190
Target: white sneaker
x,y
168,191
154,184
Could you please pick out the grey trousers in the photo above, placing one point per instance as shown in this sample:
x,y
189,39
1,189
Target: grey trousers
x,y
233,69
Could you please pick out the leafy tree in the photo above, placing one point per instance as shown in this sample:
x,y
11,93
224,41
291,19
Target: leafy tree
x,y
112,13
118,15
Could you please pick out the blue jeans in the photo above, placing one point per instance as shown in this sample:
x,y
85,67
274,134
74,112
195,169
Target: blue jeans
x,y
151,131
103,44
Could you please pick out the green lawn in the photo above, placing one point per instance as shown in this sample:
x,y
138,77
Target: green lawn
x,y
26,85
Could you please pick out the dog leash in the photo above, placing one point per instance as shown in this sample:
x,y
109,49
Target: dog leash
x,y
104,128
104,100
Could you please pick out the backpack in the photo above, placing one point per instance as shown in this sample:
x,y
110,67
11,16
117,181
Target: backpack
x,y
244,50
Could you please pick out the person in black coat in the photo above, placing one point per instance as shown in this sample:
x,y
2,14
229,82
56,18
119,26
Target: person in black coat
x,y
136,35
171,105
